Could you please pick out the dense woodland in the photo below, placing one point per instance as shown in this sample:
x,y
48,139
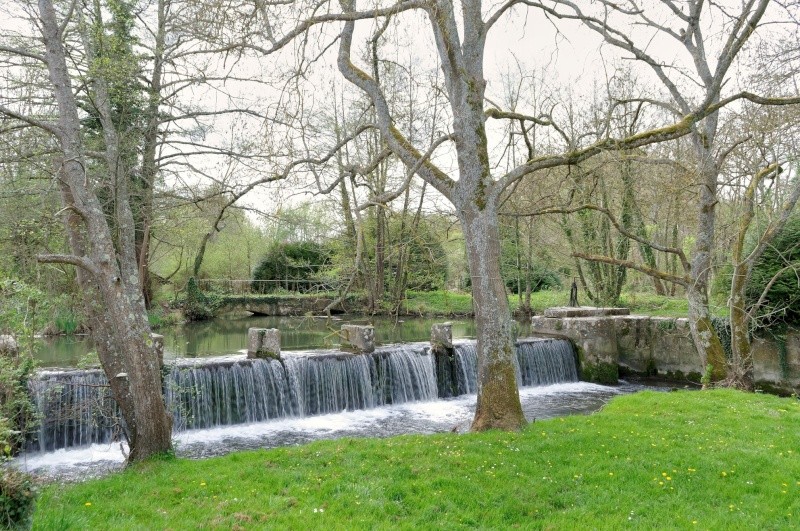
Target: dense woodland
x,y
303,147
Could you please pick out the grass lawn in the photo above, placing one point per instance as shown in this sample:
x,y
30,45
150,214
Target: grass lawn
x,y
683,460
452,303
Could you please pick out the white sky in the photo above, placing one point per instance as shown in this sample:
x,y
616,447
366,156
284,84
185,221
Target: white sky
x,y
573,60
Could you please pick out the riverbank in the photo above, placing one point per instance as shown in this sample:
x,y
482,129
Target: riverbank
x,y
713,459
441,304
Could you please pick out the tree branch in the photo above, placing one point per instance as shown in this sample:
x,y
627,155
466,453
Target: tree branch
x,y
396,141
682,281
50,128
77,261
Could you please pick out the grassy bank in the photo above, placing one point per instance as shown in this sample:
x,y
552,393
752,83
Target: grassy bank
x,y
686,460
452,303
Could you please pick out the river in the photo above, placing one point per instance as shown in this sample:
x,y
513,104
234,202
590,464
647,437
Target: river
x,y
228,335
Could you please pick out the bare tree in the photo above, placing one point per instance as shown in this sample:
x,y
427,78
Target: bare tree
x,y
699,83
460,41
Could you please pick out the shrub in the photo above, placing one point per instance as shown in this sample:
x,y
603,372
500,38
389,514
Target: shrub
x,y
199,306
294,264
541,278
16,407
17,498
783,298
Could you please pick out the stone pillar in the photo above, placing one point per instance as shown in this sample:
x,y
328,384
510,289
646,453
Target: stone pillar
x,y
158,346
264,343
442,337
358,338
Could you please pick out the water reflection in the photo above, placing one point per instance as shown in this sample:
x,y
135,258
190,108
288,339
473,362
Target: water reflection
x,y
228,335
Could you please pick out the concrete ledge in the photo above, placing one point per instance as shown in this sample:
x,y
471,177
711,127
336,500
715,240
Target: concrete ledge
x,y
652,346
584,311
264,343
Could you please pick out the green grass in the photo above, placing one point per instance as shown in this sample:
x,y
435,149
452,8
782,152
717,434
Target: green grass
x,y
683,460
442,303
639,303
451,303
655,305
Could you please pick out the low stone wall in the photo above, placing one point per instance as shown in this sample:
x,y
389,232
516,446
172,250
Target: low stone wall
x,y
657,346
279,306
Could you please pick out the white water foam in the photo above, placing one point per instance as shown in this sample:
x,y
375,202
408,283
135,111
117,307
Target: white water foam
x,y
415,417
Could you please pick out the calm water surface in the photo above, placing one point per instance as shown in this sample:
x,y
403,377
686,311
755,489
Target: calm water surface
x,y
229,335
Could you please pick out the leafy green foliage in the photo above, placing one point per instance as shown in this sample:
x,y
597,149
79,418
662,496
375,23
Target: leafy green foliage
x,y
634,464
199,306
229,254
783,298
17,498
427,261
294,266
540,277
415,257
18,320
520,267
16,407
722,325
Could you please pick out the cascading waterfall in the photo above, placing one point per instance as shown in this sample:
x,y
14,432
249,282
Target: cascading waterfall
x,y
232,392
538,362
545,362
77,409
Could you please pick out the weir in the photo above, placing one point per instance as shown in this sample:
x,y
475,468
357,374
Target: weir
x,y
77,409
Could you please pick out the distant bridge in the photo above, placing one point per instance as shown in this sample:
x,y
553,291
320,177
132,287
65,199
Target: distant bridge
x,y
313,296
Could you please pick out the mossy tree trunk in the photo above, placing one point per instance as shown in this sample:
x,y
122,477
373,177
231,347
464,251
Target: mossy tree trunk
x,y
741,316
498,397
109,270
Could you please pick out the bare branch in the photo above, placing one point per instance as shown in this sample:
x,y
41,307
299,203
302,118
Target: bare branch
x,y
22,53
50,128
398,143
389,196
77,261
682,281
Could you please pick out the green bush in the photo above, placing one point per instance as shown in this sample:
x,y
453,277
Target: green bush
x,y
291,266
540,276
199,306
17,498
783,299
66,323
16,407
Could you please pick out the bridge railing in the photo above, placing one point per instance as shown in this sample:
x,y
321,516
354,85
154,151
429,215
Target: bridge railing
x,y
245,287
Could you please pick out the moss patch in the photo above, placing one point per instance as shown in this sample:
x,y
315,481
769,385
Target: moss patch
x,y
602,373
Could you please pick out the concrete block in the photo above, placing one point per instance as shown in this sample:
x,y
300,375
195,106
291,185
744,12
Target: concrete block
x,y
442,336
158,347
357,338
264,343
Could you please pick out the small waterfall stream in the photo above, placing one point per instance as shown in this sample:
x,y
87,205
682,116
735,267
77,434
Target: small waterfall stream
x,y
77,409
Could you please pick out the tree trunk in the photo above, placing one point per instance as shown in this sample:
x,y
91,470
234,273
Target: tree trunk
x,y
705,337
741,374
112,291
380,253
146,184
498,397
